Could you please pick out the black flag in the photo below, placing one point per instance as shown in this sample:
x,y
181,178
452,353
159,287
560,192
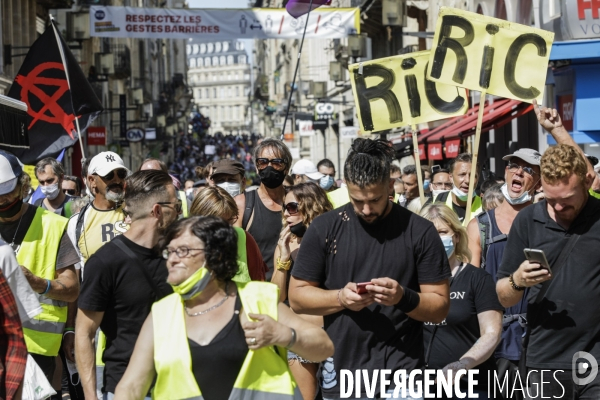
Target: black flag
x,y
58,96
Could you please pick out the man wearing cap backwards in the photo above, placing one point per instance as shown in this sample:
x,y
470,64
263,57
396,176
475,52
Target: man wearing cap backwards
x,y
488,235
47,258
102,219
230,175
306,171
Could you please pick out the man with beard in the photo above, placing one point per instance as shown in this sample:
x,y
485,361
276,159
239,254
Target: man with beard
x,y
374,240
47,258
488,235
123,279
262,207
102,219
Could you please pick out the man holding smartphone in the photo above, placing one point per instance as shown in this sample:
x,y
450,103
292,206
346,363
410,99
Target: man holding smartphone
x,y
375,240
565,225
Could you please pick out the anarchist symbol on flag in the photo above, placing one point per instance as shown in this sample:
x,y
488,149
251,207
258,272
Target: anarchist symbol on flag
x,y
58,97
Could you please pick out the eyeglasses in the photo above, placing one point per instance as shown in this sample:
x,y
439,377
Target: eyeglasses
x,y
291,208
445,185
69,191
176,205
514,167
277,163
121,173
181,252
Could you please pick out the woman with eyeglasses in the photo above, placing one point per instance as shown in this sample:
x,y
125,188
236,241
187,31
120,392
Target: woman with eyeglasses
x,y
468,336
262,207
216,201
303,203
214,338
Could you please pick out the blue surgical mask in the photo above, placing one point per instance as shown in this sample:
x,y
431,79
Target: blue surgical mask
x,y
524,198
426,183
448,245
326,182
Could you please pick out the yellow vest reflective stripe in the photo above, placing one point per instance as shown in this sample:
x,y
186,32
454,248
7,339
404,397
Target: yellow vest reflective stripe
x,y
476,207
243,275
38,252
184,204
264,374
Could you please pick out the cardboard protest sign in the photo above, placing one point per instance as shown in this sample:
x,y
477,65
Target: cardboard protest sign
x,y
491,55
392,92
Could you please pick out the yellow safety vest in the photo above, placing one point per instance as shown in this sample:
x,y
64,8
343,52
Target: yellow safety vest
x,y
339,197
264,374
243,275
476,207
184,204
38,252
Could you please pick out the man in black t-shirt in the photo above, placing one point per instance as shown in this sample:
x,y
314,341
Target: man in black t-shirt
x,y
123,278
373,240
564,321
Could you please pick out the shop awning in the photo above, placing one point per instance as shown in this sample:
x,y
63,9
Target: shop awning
x,y
497,114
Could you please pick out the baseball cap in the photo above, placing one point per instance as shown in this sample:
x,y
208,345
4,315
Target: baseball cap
x,y
228,166
306,167
200,183
103,163
530,156
10,171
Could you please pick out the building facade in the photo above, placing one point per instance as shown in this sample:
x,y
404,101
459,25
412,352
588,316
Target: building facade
x,y
219,76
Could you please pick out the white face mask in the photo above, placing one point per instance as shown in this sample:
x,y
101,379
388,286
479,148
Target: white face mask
x,y
51,191
189,192
462,196
524,198
232,188
438,192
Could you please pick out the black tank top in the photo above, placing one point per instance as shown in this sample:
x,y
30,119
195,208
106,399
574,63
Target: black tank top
x,y
265,229
217,365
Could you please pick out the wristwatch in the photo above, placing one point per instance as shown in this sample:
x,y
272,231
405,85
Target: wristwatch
x,y
513,285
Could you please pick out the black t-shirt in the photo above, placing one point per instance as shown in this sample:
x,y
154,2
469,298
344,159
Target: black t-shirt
x,y
472,291
460,211
339,248
265,229
113,284
566,320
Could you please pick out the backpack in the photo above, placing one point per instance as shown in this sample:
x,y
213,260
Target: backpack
x,y
485,235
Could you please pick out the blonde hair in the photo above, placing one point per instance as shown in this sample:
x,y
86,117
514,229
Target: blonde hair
x,y
440,211
214,201
562,161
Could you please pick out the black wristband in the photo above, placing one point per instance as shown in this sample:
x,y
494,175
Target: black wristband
x,y
409,301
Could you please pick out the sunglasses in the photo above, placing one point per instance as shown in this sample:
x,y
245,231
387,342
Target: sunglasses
x,y
69,191
514,167
121,173
291,208
176,205
277,163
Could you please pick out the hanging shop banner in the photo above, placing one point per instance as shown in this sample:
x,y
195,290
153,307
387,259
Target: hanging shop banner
x,y
219,24
452,147
482,53
435,151
422,154
393,92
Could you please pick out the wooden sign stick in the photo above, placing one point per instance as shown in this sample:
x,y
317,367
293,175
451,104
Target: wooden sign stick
x,y
475,154
418,163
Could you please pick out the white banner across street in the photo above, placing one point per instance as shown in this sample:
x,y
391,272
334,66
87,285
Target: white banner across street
x,y
217,24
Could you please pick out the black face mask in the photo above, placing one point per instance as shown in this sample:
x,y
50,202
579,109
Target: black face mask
x,y
299,229
11,209
271,177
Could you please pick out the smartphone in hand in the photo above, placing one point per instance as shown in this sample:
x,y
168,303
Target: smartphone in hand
x,y
362,287
537,256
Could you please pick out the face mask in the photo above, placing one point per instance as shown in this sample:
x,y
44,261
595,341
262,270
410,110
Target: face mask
x,y
438,192
271,177
426,183
232,188
11,209
524,198
448,245
188,192
326,182
402,199
51,191
299,229
462,196
194,285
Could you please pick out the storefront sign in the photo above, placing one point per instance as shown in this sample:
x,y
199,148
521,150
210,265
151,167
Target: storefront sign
x,y
220,24
566,109
435,151
452,148
306,128
581,19
422,154
96,136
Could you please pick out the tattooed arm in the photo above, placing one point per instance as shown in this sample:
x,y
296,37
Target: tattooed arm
x,y
65,287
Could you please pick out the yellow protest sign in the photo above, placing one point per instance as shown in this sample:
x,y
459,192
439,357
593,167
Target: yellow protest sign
x,y
392,92
490,55
30,169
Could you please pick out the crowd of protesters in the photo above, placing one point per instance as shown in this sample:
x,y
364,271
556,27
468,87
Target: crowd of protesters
x,y
155,282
